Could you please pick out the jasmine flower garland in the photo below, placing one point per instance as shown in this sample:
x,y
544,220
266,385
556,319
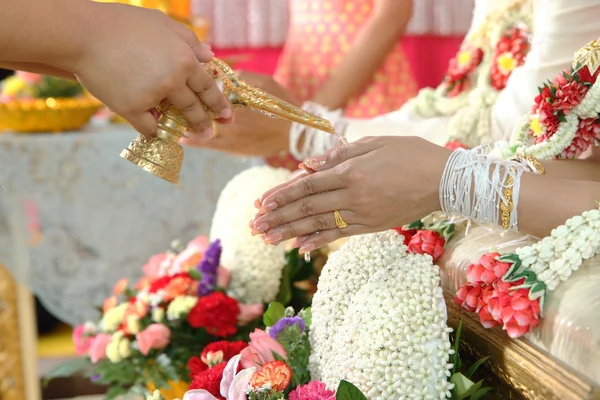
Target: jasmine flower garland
x,y
256,268
379,321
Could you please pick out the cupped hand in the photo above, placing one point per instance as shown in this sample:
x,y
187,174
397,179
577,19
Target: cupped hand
x,y
138,57
252,133
376,183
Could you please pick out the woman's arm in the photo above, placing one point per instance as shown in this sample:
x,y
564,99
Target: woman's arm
x,y
370,48
385,182
36,69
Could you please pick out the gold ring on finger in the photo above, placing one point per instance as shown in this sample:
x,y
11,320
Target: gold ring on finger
x,y
339,221
215,126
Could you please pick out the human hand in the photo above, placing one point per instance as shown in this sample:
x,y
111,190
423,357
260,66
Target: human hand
x,y
376,183
136,57
252,133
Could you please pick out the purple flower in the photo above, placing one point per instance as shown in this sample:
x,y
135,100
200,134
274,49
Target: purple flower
x,y
208,268
285,323
95,378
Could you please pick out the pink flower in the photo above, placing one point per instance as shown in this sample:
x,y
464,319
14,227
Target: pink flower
x,y
233,384
81,340
467,297
499,299
260,350
249,312
152,268
28,77
191,256
155,336
486,318
455,144
314,390
427,242
521,314
223,277
98,346
488,269
588,133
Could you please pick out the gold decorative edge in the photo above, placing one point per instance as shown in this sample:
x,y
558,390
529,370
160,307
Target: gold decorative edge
x,y
60,104
150,167
525,370
12,385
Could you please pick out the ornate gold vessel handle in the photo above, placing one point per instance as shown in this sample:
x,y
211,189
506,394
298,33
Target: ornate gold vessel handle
x,y
162,155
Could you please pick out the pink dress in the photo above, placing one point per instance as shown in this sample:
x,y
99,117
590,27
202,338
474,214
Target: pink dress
x,y
321,33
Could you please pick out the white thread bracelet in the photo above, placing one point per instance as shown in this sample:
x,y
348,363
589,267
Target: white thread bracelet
x,y
316,142
473,184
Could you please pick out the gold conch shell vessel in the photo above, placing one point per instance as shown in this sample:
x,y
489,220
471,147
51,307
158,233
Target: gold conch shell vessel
x,y
162,155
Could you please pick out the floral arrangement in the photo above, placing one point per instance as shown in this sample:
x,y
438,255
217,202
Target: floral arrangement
x,y
564,120
25,86
471,125
483,63
274,364
509,289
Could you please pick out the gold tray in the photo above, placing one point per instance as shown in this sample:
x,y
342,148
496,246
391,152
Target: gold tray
x,y
47,115
518,369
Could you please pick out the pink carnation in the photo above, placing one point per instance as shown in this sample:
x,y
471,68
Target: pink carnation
x,y
314,390
487,270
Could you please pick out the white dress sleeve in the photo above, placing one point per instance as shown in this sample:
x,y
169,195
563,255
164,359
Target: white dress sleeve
x,y
561,27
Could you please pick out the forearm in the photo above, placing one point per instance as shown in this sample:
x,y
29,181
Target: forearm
x,y
36,68
547,202
368,52
47,32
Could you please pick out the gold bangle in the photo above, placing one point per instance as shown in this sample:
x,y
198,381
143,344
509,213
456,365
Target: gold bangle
x,y
532,163
506,207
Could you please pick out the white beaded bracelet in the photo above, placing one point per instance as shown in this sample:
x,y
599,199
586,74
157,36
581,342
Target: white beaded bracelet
x,y
316,142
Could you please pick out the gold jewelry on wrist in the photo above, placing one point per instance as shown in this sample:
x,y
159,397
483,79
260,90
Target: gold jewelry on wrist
x,y
506,206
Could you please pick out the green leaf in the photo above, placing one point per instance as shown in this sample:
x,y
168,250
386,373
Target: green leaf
x,y
537,290
415,225
307,317
475,366
67,369
195,274
561,117
463,386
274,313
480,393
347,391
456,361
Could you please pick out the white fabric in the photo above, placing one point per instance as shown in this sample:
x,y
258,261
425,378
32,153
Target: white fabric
x,y
561,27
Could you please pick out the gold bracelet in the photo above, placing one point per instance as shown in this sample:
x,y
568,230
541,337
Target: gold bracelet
x,y
506,207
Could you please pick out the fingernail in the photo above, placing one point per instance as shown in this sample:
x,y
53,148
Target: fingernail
x,y
257,203
269,207
225,113
315,162
251,223
207,133
262,227
273,238
307,248
207,48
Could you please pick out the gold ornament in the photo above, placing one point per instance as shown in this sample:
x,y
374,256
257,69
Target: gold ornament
x,y
339,221
162,155
589,56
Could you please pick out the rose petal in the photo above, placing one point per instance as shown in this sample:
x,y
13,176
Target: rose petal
x,y
229,374
198,394
250,312
237,390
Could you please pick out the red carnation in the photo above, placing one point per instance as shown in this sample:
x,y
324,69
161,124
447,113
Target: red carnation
x,y
406,233
217,313
427,242
588,133
213,354
487,270
568,96
210,380
585,76
455,144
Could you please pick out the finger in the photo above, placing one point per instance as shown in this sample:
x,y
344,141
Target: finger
x,y
186,101
259,202
308,226
309,206
340,154
202,50
205,87
306,185
145,123
321,239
